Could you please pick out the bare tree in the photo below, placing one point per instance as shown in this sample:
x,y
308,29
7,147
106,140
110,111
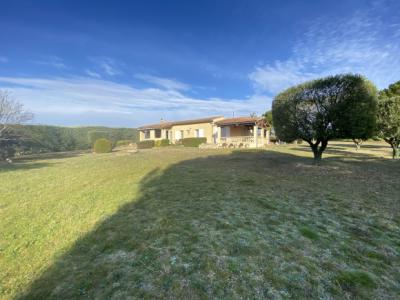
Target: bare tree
x,y
11,113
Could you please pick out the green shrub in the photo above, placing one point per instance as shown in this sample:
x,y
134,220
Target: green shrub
x,y
193,142
161,143
102,146
145,144
123,143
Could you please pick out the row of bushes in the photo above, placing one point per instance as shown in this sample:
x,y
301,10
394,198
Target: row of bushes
x,y
31,139
193,142
187,142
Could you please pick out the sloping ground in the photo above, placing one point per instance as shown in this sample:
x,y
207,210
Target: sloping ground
x,y
189,223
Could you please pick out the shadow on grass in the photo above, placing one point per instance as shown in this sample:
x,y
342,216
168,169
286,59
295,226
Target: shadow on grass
x,y
50,155
29,162
203,228
339,152
15,166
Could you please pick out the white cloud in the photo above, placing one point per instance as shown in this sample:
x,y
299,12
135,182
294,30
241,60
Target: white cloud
x,y
3,59
363,44
53,61
69,98
108,65
169,84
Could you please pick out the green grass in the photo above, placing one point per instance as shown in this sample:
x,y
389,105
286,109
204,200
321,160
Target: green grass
x,y
189,223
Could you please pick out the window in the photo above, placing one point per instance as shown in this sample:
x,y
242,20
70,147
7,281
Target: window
x,y
147,134
157,133
199,132
178,134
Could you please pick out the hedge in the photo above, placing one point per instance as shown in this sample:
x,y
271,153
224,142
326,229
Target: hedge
x,y
193,142
145,144
123,143
161,143
102,146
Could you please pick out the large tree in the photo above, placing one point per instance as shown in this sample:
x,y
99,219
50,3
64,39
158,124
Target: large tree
x,y
389,116
341,106
11,113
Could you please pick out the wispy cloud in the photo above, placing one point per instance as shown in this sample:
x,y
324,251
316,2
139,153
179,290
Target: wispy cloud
x,y
52,61
108,65
70,97
92,74
169,84
3,59
363,44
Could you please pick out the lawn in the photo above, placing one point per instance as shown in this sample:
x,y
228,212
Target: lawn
x,y
189,223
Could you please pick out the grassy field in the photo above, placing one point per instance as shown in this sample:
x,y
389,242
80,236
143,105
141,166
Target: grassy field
x,y
190,223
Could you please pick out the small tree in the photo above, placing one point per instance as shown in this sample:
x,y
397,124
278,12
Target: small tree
x,y
268,117
389,122
11,113
341,106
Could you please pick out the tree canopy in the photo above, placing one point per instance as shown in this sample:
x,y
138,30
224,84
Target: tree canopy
x,y
391,91
389,122
341,106
268,117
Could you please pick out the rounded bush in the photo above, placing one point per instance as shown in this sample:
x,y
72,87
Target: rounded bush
x,y
102,146
161,143
193,142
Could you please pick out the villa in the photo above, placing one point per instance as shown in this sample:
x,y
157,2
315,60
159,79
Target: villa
x,y
246,132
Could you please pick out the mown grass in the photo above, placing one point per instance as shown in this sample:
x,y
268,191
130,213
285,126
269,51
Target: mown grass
x,y
189,223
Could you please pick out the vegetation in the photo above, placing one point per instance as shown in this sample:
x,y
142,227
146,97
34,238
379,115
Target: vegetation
x,y
11,112
193,142
179,223
124,143
102,146
392,91
389,117
161,143
268,117
45,138
146,144
94,135
341,106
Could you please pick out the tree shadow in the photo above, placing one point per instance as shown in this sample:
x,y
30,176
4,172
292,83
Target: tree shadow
x,y
50,155
210,227
339,152
15,166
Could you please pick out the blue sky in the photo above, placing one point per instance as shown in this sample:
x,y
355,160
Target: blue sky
x,y
127,63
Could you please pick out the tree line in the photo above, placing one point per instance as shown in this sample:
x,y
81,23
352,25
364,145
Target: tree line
x,y
31,139
344,106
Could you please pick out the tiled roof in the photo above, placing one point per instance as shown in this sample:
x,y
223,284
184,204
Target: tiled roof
x,y
163,125
238,120
261,122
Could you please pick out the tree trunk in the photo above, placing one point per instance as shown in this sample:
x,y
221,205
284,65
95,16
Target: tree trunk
x,y
358,143
318,148
396,151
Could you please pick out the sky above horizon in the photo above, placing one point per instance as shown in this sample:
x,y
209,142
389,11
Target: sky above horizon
x,y
129,63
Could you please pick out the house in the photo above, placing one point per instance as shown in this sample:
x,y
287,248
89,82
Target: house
x,y
249,132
